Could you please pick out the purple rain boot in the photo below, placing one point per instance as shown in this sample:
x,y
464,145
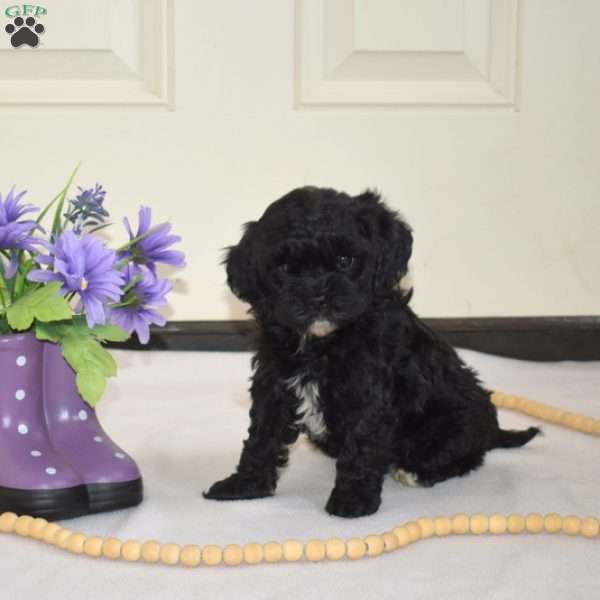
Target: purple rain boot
x,y
34,479
111,477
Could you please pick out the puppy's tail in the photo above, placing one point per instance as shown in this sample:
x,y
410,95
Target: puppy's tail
x,y
513,439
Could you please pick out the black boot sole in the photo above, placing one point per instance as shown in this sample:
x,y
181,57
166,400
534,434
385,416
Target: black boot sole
x,y
103,497
53,505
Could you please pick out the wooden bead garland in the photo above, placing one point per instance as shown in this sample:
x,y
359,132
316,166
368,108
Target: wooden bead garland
x,y
151,551
551,414
233,555
335,549
273,552
316,550
191,556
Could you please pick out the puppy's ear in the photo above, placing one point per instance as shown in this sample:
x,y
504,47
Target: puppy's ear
x,y
390,237
242,275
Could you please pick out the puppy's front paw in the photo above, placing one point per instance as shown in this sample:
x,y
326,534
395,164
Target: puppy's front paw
x,y
239,487
351,504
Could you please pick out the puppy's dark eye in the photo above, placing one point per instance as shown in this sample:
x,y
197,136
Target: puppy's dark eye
x,y
344,263
283,267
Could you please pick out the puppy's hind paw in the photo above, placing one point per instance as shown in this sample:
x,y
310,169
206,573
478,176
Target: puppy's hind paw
x,y
350,505
406,479
238,487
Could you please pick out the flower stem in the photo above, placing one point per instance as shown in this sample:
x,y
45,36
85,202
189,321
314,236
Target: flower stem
x,y
56,224
60,194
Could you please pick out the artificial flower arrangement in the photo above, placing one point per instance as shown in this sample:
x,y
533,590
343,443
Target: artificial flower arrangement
x,y
62,282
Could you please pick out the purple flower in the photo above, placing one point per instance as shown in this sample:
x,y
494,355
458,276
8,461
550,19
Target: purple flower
x,y
15,234
153,247
145,294
85,267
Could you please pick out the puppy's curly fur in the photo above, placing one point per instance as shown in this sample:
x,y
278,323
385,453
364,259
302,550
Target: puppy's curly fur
x,y
342,357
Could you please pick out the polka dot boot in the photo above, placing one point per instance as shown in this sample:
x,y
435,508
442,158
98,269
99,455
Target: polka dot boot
x,y
34,478
111,476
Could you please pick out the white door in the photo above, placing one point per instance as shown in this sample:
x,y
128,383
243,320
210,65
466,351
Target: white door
x,y
478,119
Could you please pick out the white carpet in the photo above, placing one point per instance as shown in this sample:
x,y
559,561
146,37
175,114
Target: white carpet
x,y
184,415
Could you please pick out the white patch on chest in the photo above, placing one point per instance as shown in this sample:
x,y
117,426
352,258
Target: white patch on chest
x,y
309,412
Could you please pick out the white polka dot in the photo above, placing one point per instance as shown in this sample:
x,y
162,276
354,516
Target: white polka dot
x,y
98,439
21,360
20,394
82,415
35,453
23,429
119,455
51,470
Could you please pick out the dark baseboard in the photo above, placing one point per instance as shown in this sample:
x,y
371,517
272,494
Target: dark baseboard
x,y
528,338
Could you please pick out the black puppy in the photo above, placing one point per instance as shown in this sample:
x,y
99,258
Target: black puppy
x,y
343,358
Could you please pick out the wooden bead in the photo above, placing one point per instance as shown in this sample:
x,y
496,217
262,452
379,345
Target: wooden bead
x,y
7,522
233,555
37,528
50,533
375,545
93,546
590,527
61,538
23,524
111,548
273,552
427,527
253,553
571,525
553,523
131,550
569,420
498,524
479,524
587,425
191,555
403,537
335,549
442,526
151,551
534,523
315,550
169,554
75,543
460,524
414,531
516,523
355,548
390,541
556,415
292,550
211,555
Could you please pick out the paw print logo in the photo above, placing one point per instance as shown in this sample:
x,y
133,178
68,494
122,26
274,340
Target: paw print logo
x,y
24,32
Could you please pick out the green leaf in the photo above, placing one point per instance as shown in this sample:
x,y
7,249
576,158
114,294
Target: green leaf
x,y
110,333
19,315
43,304
102,359
91,385
54,308
51,332
92,363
